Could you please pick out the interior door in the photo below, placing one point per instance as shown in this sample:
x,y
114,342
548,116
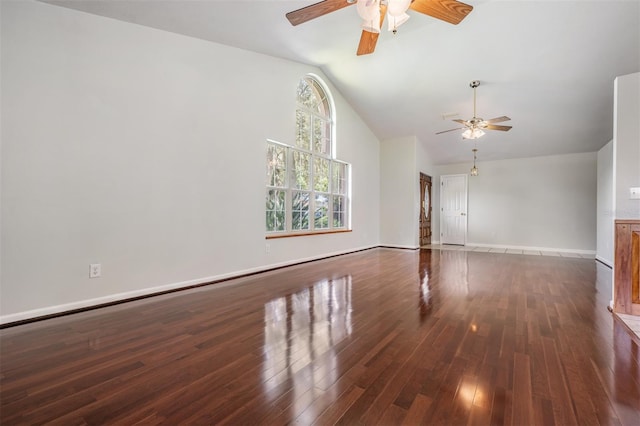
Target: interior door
x,y
425,209
453,209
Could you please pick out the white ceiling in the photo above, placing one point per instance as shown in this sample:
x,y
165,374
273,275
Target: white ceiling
x,y
549,65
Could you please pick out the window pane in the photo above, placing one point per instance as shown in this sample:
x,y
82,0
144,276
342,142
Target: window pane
x,y
339,204
339,182
321,136
306,188
320,174
321,103
300,210
275,210
276,165
301,172
306,95
312,96
320,213
303,130
324,108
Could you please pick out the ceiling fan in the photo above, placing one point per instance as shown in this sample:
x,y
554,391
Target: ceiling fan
x,y
475,126
374,11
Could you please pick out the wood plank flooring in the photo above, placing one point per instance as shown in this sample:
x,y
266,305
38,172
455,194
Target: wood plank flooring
x,y
382,336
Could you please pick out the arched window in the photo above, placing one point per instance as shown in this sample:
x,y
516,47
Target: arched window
x,y
314,118
307,188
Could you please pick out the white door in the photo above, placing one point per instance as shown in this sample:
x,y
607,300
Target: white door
x,y
453,209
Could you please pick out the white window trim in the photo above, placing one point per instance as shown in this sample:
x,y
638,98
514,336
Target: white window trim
x,y
289,189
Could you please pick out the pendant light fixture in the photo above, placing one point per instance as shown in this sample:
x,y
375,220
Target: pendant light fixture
x,y
474,169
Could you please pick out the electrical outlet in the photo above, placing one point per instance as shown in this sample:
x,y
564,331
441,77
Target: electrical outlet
x,y
634,193
95,269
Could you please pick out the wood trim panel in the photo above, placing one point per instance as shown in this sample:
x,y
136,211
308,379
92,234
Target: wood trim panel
x,y
627,267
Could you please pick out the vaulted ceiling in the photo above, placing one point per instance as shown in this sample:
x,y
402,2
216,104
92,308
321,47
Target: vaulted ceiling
x,y
549,65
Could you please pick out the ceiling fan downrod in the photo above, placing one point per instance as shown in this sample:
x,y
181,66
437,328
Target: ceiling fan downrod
x,y
474,84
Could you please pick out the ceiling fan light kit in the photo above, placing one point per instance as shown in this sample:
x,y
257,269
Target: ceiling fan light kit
x,y
474,127
373,13
397,13
369,11
474,133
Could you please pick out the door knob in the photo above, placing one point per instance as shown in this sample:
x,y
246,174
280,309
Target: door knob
x,y
463,214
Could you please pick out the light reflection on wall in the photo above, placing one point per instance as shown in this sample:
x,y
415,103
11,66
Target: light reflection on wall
x,y
301,329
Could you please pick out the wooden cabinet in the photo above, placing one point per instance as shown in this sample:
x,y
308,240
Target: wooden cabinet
x,y
627,267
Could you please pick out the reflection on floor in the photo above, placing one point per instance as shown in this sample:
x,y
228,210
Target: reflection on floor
x,y
631,321
509,251
378,337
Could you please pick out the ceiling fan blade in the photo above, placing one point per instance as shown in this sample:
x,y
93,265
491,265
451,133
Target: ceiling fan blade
x,y
367,43
457,120
498,127
368,40
451,11
498,119
450,130
316,10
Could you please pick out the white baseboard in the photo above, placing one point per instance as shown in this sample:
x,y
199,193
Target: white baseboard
x,y
398,246
553,249
604,261
118,297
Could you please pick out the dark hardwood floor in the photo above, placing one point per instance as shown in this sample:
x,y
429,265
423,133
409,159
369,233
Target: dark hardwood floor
x,y
378,337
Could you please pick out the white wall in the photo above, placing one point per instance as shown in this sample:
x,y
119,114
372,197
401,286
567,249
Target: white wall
x,y
144,151
604,233
401,162
397,192
426,166
538,203
626,144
